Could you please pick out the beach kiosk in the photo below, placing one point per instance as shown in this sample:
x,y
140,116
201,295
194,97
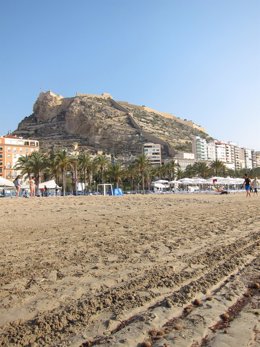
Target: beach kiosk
x,y
105,188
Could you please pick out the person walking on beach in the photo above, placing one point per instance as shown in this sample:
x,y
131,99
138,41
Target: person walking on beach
x,y
32,186
247,185
255,185
18,184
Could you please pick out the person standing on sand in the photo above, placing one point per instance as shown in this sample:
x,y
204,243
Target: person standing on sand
x,y
32,186
18,184
255,185
247,185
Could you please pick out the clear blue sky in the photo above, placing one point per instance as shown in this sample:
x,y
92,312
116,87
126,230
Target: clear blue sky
x,y
197,59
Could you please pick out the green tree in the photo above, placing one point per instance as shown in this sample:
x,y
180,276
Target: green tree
x,y
115,173
201,169
52,170
189,171
142,165
23,165
170,169
130,175
34,164
85,168
101,162
62,163
218,167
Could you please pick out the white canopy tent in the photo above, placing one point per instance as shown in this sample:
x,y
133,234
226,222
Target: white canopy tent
x,y
160,185
6,183
226,181
186,181
49,185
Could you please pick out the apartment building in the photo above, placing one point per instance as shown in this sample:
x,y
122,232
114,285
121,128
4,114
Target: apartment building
x,y
199,148
257,158
11,148
211,151
248,158
220,151
153,153
230,154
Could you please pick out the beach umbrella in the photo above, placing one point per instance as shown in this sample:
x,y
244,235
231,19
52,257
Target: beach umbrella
x,y
49,185
161,181
199,180
5,183
186,181
159,185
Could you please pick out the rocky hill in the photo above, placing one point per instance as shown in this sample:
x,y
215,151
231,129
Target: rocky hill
x,y
97,122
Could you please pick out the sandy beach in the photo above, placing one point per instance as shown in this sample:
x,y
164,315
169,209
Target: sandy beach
x,y
154,270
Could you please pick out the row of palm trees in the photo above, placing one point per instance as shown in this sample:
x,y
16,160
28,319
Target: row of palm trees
x,y
68,169
216,168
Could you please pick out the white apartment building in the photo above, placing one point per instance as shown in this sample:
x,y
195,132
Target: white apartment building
x,y
221,151
230,154
211,151
153,153
257,158
248,158
199,148
238,157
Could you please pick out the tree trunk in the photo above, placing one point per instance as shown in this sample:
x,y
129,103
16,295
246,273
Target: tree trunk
x,y
63,183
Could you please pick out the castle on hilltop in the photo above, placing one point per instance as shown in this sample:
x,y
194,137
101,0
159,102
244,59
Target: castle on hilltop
x,y
101,96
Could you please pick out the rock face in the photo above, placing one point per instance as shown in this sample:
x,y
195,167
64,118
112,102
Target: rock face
x,y
97,122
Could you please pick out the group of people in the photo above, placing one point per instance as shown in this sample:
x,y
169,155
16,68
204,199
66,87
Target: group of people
x,y
18,185
250,185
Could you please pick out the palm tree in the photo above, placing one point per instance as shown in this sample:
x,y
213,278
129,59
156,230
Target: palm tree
x,y
179,173
130,174
201,169
189,171
73,166
115,172
171,170
23,165
35,163
101,162
52,170
217,166
85,168
38,163
142,165
62,163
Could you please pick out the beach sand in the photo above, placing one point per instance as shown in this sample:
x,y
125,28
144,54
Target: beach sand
x,y
153,270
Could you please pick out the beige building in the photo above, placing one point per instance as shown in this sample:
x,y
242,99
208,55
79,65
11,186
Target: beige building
x,y
153,153
184,159
11,148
